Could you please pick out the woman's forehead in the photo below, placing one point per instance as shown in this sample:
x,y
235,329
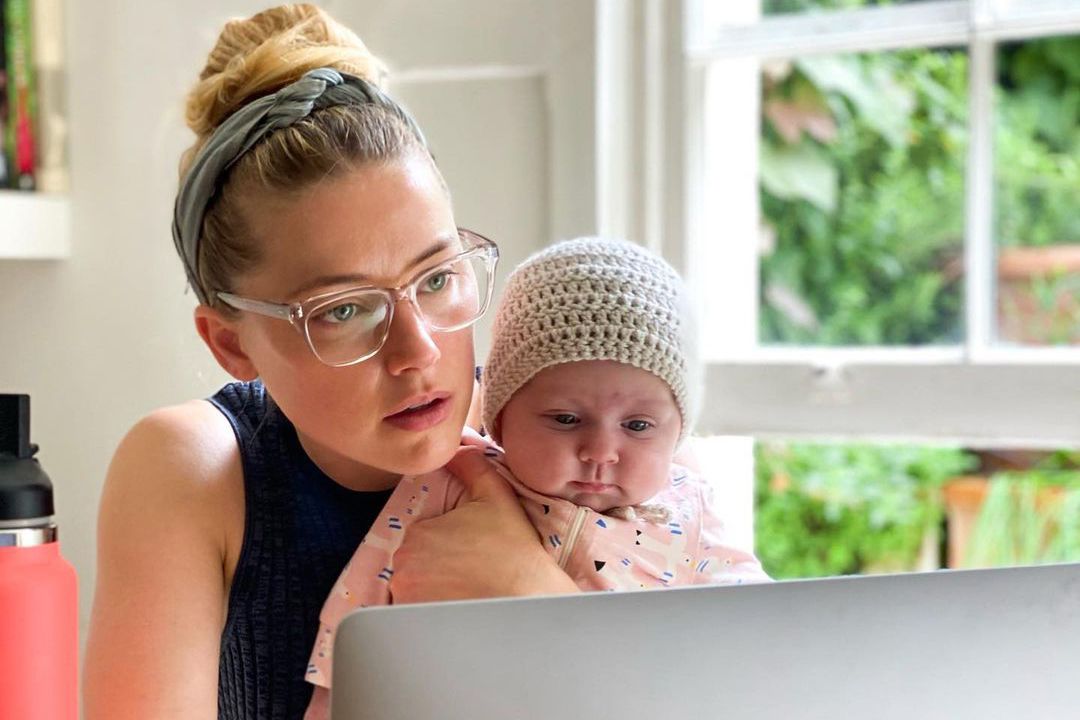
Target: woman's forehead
x,y
372,224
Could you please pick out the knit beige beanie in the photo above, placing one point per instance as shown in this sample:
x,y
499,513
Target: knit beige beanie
x,y
592,299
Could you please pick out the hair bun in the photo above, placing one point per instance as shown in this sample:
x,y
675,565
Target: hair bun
x,y
259,55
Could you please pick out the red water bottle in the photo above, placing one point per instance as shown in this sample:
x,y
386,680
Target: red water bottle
x,y
38,588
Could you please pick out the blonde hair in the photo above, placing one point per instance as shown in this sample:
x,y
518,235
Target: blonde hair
x,y
257,56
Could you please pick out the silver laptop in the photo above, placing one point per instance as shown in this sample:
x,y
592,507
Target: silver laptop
x,y
1001,643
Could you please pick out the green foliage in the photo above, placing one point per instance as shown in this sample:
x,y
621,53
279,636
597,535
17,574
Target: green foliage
x,y
862,183
1038,143
803,171
782,6
871,265
841,509
1029,517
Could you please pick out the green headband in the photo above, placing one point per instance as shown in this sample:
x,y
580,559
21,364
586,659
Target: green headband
x,y
317,89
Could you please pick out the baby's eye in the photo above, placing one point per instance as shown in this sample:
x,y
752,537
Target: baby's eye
x,y
637,425
565,419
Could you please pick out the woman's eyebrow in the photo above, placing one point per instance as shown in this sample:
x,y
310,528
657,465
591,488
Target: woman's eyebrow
x,y
442,244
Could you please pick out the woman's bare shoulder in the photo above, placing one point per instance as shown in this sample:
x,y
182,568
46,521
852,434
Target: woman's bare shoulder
x,y
183,457
192,444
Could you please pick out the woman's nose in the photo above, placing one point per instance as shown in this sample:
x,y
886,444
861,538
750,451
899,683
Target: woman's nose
x,y
409,346
598,447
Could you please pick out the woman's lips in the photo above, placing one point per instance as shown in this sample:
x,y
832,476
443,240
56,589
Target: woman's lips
x,y
421,415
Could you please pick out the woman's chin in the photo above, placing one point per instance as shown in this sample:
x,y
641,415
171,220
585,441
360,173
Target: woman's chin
x,y
427,456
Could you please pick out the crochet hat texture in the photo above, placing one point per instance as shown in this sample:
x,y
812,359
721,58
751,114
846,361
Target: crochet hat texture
x,y
592,299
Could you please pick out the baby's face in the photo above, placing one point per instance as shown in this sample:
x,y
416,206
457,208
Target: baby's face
x,y
595,432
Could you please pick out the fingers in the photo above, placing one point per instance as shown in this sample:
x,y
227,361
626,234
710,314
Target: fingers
x,y
480,478
473,439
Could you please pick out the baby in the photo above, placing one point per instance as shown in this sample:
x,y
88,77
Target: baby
x,y
589,390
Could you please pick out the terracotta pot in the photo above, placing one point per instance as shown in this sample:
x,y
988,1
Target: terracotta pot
x,y
963,500
1038,295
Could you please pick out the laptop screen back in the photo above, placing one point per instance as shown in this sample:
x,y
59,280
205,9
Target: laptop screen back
x,y
1002,643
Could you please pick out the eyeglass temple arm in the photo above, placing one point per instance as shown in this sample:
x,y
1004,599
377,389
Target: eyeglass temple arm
x,y
258,306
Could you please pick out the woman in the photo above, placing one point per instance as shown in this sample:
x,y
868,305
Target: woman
x,y
335,287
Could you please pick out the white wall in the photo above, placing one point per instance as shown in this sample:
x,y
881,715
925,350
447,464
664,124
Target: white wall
x,y
104,336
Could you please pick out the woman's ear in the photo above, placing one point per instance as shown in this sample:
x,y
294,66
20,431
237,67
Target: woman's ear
x,y
220,334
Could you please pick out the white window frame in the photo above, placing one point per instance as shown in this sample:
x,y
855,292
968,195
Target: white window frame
x,y
978,394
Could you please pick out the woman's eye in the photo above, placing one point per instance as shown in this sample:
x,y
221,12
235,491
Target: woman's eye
x,y
564,419
437,282
341,313
638,425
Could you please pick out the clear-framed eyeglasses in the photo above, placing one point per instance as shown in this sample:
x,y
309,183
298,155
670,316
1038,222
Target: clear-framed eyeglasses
x,y
346,327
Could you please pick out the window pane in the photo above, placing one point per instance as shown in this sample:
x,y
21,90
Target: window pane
x,y
838,509
779,7
861,183
1037,203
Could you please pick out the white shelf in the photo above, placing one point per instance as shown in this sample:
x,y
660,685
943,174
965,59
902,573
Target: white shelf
x,y
34,226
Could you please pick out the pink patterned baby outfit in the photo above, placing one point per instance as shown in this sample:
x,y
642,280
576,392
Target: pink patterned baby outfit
x,y
599,552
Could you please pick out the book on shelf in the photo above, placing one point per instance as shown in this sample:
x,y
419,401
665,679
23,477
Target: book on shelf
x,y
51,172
33,113
21,112
4,176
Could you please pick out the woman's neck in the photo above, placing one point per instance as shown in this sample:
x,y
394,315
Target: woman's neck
x,y
348,472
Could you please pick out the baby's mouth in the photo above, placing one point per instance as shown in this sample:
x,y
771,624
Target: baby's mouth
x,y
594,487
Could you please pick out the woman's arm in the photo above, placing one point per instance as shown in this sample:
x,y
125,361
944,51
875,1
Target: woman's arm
x,y
171,513
485,547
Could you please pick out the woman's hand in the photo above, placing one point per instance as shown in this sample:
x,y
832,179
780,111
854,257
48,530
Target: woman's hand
x,y
485,547
473,438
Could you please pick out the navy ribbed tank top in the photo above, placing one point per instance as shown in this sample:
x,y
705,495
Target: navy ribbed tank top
x,y
300,529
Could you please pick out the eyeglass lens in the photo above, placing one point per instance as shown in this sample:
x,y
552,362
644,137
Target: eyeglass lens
x,y
352,326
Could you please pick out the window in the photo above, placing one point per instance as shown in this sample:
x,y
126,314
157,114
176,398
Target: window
x,y
909,176
909,172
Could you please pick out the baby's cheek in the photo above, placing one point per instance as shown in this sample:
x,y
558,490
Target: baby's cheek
x,y
544,469
649,478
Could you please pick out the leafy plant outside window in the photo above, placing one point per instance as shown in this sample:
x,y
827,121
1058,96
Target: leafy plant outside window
x,y
862,186
1029,518
823,510
862,189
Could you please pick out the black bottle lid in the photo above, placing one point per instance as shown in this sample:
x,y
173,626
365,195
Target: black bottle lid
x,y
25,490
